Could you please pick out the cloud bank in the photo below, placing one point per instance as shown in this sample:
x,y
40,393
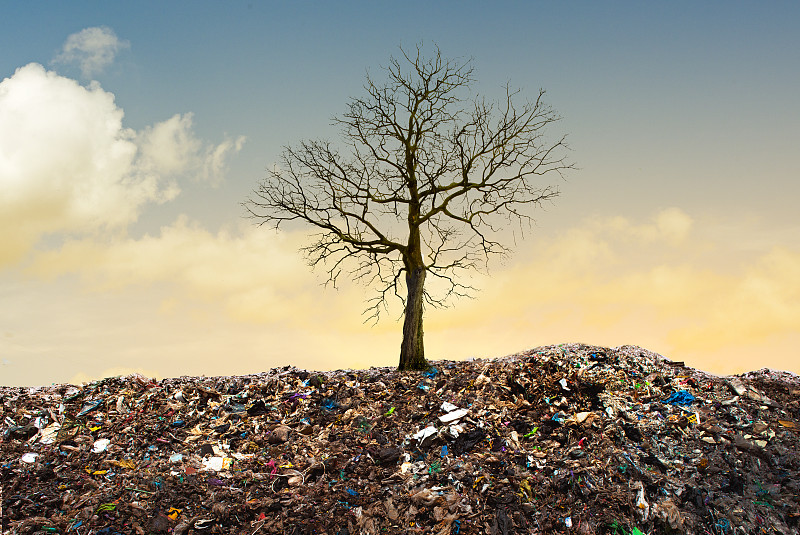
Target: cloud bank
x,y
253,275
68,165
608,281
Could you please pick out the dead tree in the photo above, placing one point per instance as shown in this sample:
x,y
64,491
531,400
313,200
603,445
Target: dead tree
x,y
420,187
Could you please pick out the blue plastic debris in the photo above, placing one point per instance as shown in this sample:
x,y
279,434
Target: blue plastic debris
x,y
328,404
431,373
681,398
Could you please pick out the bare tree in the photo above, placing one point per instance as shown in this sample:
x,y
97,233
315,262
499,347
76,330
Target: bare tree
x,y
423,183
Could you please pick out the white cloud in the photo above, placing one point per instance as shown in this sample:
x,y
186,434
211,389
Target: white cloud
x,y
170,147
92,49
68,165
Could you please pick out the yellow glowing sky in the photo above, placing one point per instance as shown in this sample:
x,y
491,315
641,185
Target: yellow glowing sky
x,y
124,157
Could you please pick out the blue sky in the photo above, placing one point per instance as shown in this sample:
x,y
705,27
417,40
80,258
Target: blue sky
x,y
678,232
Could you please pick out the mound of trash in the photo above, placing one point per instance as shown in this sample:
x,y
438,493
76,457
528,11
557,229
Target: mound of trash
x,y
558,439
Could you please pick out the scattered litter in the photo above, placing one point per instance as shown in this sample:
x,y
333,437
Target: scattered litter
x,y
100,445
453,416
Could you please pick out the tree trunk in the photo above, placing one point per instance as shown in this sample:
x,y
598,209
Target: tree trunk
x,y
412,351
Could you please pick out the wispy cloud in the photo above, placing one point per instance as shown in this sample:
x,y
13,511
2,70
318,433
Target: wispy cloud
x,y
170,148
92,50
215,159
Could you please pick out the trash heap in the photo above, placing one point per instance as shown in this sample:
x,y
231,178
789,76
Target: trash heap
x,y
558,439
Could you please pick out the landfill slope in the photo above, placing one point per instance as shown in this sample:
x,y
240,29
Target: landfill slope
x,y
558,439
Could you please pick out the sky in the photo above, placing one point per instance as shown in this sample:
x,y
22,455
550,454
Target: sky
x,y
130,135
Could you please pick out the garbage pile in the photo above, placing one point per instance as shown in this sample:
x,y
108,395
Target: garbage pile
x,y
558,439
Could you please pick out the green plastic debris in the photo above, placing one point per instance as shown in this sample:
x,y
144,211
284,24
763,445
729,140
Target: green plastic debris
x,y
435,468
618,528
